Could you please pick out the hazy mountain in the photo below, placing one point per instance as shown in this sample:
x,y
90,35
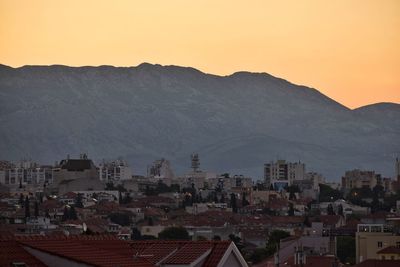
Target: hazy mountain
x,y
235,122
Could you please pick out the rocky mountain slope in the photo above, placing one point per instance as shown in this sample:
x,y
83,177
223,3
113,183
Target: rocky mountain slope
x,y
236,123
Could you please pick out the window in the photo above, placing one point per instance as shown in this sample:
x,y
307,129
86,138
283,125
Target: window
x,y
383,258
379,244
397,244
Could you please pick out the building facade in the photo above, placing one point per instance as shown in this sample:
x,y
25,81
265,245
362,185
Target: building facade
x,y
280,174
115,172
371,239
359,179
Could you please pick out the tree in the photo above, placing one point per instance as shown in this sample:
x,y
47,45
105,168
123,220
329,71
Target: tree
x,y
120,218
36,212
307,221
330,210
72,214
237,240
225,175
136,234
127,198
258,255
78,201
346,249
378,191
27,208
175,188
293,189
119,197
21,200
340,210
233,203
271,187
174,233
244,200
274,239
110,186
328,194
65,214
216,238
222,200
291,210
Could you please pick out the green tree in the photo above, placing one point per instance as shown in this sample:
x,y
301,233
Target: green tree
x,y
174,233
136,234
274,239
244,200
78,201
328,194
233,203
307,222
258,255
216,238
340,210
27,208
291,210
346,249
330,210
36,211
120,218
72,214
237,240
66,213
21,200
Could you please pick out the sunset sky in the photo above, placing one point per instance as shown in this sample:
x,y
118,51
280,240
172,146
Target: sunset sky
x,y
349,50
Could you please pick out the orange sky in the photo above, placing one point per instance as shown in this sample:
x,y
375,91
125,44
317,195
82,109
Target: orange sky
x,y
349,50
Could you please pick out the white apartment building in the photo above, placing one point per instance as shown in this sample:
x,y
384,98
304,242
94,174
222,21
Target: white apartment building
x,y
115,172
27,173
280,174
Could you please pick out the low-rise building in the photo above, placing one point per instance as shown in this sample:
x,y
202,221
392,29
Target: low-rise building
x,y
373,238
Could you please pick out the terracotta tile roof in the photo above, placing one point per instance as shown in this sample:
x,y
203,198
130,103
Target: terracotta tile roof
x,y
282,220
181,252
217,253
99,252
379,263
328,219
189,253
389,250
11,251
107,250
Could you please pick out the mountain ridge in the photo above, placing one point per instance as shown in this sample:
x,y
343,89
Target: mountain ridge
x,y
152,111
187,68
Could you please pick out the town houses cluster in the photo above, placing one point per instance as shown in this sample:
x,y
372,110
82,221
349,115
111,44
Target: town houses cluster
x,y
291,217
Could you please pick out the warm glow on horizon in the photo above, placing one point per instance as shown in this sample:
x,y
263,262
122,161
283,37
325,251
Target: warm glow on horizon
x,y
348,50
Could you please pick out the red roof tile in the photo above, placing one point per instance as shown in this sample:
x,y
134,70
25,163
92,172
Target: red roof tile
x,y
379,263
389,250
189,253
181,252
11,251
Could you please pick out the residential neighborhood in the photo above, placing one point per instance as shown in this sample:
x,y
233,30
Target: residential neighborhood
x,y
289,218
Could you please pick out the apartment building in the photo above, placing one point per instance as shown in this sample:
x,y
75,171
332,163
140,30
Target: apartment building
x,y
280,174
371,239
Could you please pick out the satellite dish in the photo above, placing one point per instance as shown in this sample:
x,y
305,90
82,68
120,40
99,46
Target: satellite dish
x,y
84,227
